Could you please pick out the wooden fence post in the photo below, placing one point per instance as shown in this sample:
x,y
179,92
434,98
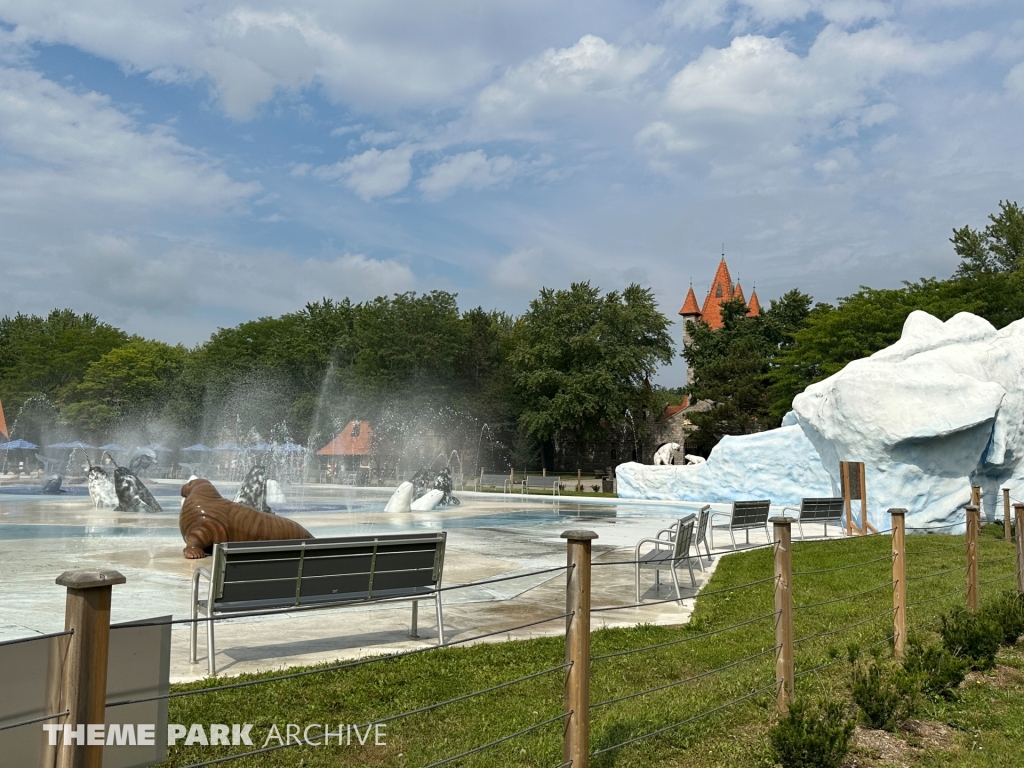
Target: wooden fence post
x,y
576,734
83,689
899,579
1006,514
1018,513
784,611
973,526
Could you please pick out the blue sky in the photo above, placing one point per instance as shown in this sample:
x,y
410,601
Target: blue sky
x,y
174,167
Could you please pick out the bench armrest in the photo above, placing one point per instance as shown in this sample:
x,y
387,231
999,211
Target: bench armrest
x,y
792,509
713,515
658,544
200,572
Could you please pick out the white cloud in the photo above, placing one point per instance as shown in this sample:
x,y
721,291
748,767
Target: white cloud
x,y
76,147
1014,80
764,100
474,170
557,79
161,288
371,54
373,173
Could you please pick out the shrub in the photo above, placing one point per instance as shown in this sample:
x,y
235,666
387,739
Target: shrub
x,y
812,736
937,671
1007,611
972,636
884,693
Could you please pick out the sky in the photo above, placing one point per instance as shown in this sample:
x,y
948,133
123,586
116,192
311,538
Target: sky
x,y
176,167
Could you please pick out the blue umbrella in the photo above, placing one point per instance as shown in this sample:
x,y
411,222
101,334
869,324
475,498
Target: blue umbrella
x,y
227,447
156,448
197,447
261,447
111,447
58,445
292,448
20,444
78,444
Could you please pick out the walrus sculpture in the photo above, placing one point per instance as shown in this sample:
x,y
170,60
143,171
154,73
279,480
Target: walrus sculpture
x,y
207,518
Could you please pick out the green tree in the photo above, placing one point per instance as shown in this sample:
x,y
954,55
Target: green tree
x,y
997,248
578,360
130,384
732,366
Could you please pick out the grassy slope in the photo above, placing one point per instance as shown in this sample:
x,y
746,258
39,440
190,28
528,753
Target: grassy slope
x,y
734,736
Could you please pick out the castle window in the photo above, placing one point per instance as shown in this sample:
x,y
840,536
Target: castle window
x,y
356,429
718,291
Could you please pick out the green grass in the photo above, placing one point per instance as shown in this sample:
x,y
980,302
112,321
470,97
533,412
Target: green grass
x,y
735,736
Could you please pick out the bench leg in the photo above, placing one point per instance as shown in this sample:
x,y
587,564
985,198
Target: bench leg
x,y
440,619
636,579
733,537
801,527
675,581
657,579
689,565
413,633
211,651
194,629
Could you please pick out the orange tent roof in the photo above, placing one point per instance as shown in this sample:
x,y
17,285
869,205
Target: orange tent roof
x,y
356,439
3,423
690,305
721,290
754,306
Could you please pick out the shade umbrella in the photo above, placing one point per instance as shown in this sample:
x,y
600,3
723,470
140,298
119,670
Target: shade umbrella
x,y
261,447
58,445
20,444
78,444
157,448
227,447
111,447
198,447
293,448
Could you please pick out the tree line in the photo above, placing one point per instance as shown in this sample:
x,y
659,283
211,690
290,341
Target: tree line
x,y
569,367
570,370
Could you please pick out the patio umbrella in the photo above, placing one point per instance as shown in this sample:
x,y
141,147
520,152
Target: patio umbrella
x,y
20,444
59,445
78,444
157,448
111,447
198,447
227,447
292,448
262,447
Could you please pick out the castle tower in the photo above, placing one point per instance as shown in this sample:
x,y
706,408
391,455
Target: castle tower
x,y
690,314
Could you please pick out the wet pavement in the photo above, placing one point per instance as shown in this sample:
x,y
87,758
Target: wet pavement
x,y
489,535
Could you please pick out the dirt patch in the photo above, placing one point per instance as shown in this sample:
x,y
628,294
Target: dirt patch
x,y
875,749
1001,677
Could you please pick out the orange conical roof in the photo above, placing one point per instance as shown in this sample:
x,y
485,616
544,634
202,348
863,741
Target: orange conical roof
x,y
738,292
721,290
3,424
754,306
690,305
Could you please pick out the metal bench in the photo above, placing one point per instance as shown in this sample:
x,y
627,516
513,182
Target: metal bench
x,y
744,516
822,511
279,576
666,554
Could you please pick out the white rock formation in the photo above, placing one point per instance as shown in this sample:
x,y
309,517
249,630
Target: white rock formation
x,y
938,411
401,499
427,501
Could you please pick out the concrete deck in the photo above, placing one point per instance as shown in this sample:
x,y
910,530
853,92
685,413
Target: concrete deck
x,y
488,536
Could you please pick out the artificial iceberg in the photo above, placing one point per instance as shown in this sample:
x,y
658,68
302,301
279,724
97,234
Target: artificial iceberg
x,y
930,416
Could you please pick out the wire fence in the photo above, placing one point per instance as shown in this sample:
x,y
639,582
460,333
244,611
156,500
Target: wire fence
x,y
739,650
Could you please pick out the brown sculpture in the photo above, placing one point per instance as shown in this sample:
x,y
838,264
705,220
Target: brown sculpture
x,y
207,518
